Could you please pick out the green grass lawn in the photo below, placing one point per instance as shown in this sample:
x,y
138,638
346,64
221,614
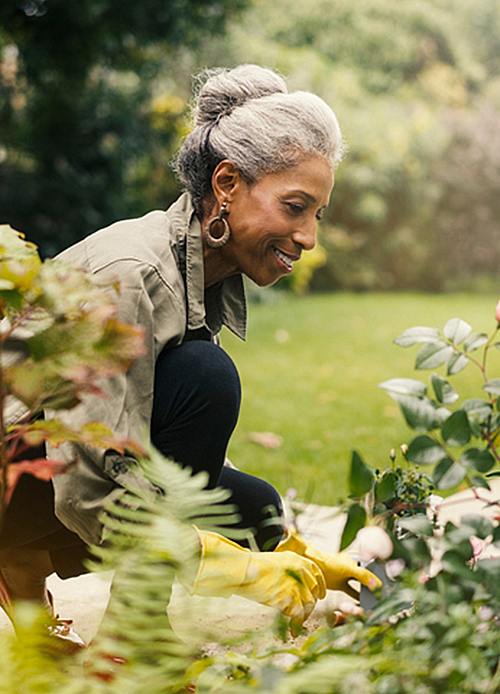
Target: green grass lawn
x,y
310,369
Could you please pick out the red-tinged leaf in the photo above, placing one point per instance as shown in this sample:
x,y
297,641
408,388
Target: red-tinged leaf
x,y
120,345
44,384
41,468
68,292
101,436
55,432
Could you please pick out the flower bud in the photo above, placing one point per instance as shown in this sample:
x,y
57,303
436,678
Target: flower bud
x,y
394,568
497,313
373,543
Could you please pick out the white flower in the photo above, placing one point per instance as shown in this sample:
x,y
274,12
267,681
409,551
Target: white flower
x,y
434,500
373,543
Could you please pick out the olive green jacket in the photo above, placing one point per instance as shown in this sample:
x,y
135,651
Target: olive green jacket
x,y
158,260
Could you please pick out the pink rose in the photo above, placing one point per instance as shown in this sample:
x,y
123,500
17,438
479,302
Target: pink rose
x,y
497,312
477,546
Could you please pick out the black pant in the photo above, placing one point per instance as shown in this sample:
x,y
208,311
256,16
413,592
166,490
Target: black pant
x,y
196,404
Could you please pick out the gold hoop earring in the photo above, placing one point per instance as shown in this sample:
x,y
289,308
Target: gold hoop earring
x,y
217,241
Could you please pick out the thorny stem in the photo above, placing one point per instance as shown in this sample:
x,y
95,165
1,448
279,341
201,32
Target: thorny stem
x,y
454,502
491,445
486,348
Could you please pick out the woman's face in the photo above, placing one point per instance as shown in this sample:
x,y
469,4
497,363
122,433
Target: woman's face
x,y
274,219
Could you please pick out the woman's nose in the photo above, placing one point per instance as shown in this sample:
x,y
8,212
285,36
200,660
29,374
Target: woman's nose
x,y
306,236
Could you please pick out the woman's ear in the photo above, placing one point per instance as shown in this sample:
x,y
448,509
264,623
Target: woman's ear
x,y
225,179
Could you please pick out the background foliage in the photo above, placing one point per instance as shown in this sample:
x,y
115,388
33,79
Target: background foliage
x,y
88,113
93,102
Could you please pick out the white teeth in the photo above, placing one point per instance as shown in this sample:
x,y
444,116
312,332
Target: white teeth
x,y
288,261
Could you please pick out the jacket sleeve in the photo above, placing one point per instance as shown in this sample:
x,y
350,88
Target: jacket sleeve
x,y
96,476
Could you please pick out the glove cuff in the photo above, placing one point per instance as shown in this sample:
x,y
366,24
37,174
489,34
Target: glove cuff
x,y
223,566
292,542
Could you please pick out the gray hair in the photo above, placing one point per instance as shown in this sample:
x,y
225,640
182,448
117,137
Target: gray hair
x,y
247,116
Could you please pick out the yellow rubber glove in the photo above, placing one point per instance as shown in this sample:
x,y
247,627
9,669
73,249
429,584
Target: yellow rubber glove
x,y
337,569
286,581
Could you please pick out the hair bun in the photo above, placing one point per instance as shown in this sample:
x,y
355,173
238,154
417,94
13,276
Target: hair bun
x,y
224,90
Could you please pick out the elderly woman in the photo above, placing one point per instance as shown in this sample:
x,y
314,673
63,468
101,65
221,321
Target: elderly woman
x,y
258,171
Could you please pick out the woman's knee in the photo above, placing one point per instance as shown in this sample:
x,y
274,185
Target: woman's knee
x,y
196,376
214,372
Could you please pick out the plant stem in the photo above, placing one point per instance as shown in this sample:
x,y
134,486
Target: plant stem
x,y
491,445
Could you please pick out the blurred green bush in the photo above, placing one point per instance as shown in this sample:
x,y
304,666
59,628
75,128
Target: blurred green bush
x,y
93,106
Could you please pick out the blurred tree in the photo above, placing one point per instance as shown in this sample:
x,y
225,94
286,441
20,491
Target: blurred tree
x,y
467,211
405,79
85,109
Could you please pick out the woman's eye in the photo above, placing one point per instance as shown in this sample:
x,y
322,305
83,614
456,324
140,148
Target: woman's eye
x,y
295,208
319,216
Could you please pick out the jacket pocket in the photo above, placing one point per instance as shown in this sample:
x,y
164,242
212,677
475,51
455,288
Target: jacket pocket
x,y
125,471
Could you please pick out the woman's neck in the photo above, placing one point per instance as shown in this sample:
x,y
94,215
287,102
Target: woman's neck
x,y
215,266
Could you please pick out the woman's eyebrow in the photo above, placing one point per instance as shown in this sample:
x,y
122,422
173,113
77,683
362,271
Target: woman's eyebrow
x,y
309,196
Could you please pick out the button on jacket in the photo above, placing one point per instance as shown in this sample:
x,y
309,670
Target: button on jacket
x,y
158,261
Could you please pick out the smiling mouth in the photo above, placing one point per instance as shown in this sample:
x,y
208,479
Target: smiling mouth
x,y
285,259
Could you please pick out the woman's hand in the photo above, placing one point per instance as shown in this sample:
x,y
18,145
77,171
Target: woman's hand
x,y
287,581
338,569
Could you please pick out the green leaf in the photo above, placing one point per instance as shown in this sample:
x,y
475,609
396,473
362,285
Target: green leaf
x,y
416,550
445,393
356,519
425,451
478,481
386,486
456,330
481,527
20,265
448,474
415,335
477,408
405,386
456,363
361,477
432,355
419,525
479,460
475,341
454,562
456,430
496,536
492,386
421,414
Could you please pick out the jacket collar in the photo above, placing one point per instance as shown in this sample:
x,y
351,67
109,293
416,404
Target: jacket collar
x,y
222,304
